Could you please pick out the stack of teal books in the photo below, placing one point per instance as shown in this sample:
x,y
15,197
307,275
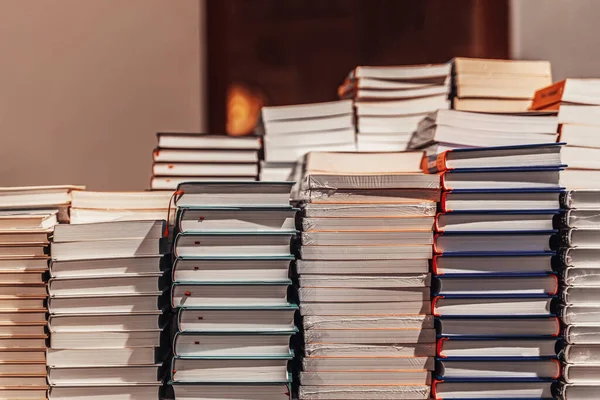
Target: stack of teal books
x,y
233,321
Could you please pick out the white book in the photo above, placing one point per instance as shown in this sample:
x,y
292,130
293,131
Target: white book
x,y
586,354
402,107
129,266
94,358
199,169
37,197
114,248
310,139
205,141
499,201
109,322
578,334
237,319
500,369
104,340
395,94
247,392
369,350
366,238
359,307
477,138
365,378
457,222
362,295
121,200
382,206
353,267
109,230
240,345
120,392
402,72
291,126
366,252
366,224
88,215
482,265
477,243
355,364
580,135
359,392
523,285
583,314
492,306
103,303
96,286
499,348
224,295
369,322
500,327
495,122
494,390
239,194
236,219
230,370
453,180
349,281
581,374
231,270
102,375
232,244
170,183
578,114
306,111
581,157
205,156
292,153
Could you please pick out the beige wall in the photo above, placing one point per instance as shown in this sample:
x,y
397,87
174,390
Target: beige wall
x,y
85,84
566,32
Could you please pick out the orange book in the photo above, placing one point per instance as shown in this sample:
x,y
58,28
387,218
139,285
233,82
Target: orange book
x,y
548,97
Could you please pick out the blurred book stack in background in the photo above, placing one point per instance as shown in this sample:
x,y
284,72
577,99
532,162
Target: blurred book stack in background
x,y
106,305
452,129
391,101
498,86
233,322
494,281
183,157
364,276
28,216
292,131
578,105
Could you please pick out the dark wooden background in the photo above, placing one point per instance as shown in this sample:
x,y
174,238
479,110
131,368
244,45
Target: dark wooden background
x,y
299,51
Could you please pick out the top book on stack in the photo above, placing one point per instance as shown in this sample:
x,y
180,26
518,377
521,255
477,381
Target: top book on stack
x,y
292,131
497,85
180,157
390,101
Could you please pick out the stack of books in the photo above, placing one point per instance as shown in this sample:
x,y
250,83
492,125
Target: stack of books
x,y
580,239
182,157
578,105
498,86
364,276
452,129
105,310
90,207
27,219
494,282
292,131
231,279
391,101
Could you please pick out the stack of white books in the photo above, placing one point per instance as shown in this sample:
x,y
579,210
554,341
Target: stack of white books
x,y
367,233
292,131
231,335
499,86
578,104
106,304
391,101
580,313
28,216
452,129
182,157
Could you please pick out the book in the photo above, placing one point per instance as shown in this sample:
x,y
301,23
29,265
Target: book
x,y
230,370
267,391
574,91
492,390
246,344
171,140
453,348
483,306
490,221
501,327
499,369
227,194
352,392
494,200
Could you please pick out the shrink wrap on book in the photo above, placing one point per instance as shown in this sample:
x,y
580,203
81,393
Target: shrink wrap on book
x,y
416,209
358,322
392,392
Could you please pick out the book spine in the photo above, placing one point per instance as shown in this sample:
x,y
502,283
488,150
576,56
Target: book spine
x,y
435,164
565,199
